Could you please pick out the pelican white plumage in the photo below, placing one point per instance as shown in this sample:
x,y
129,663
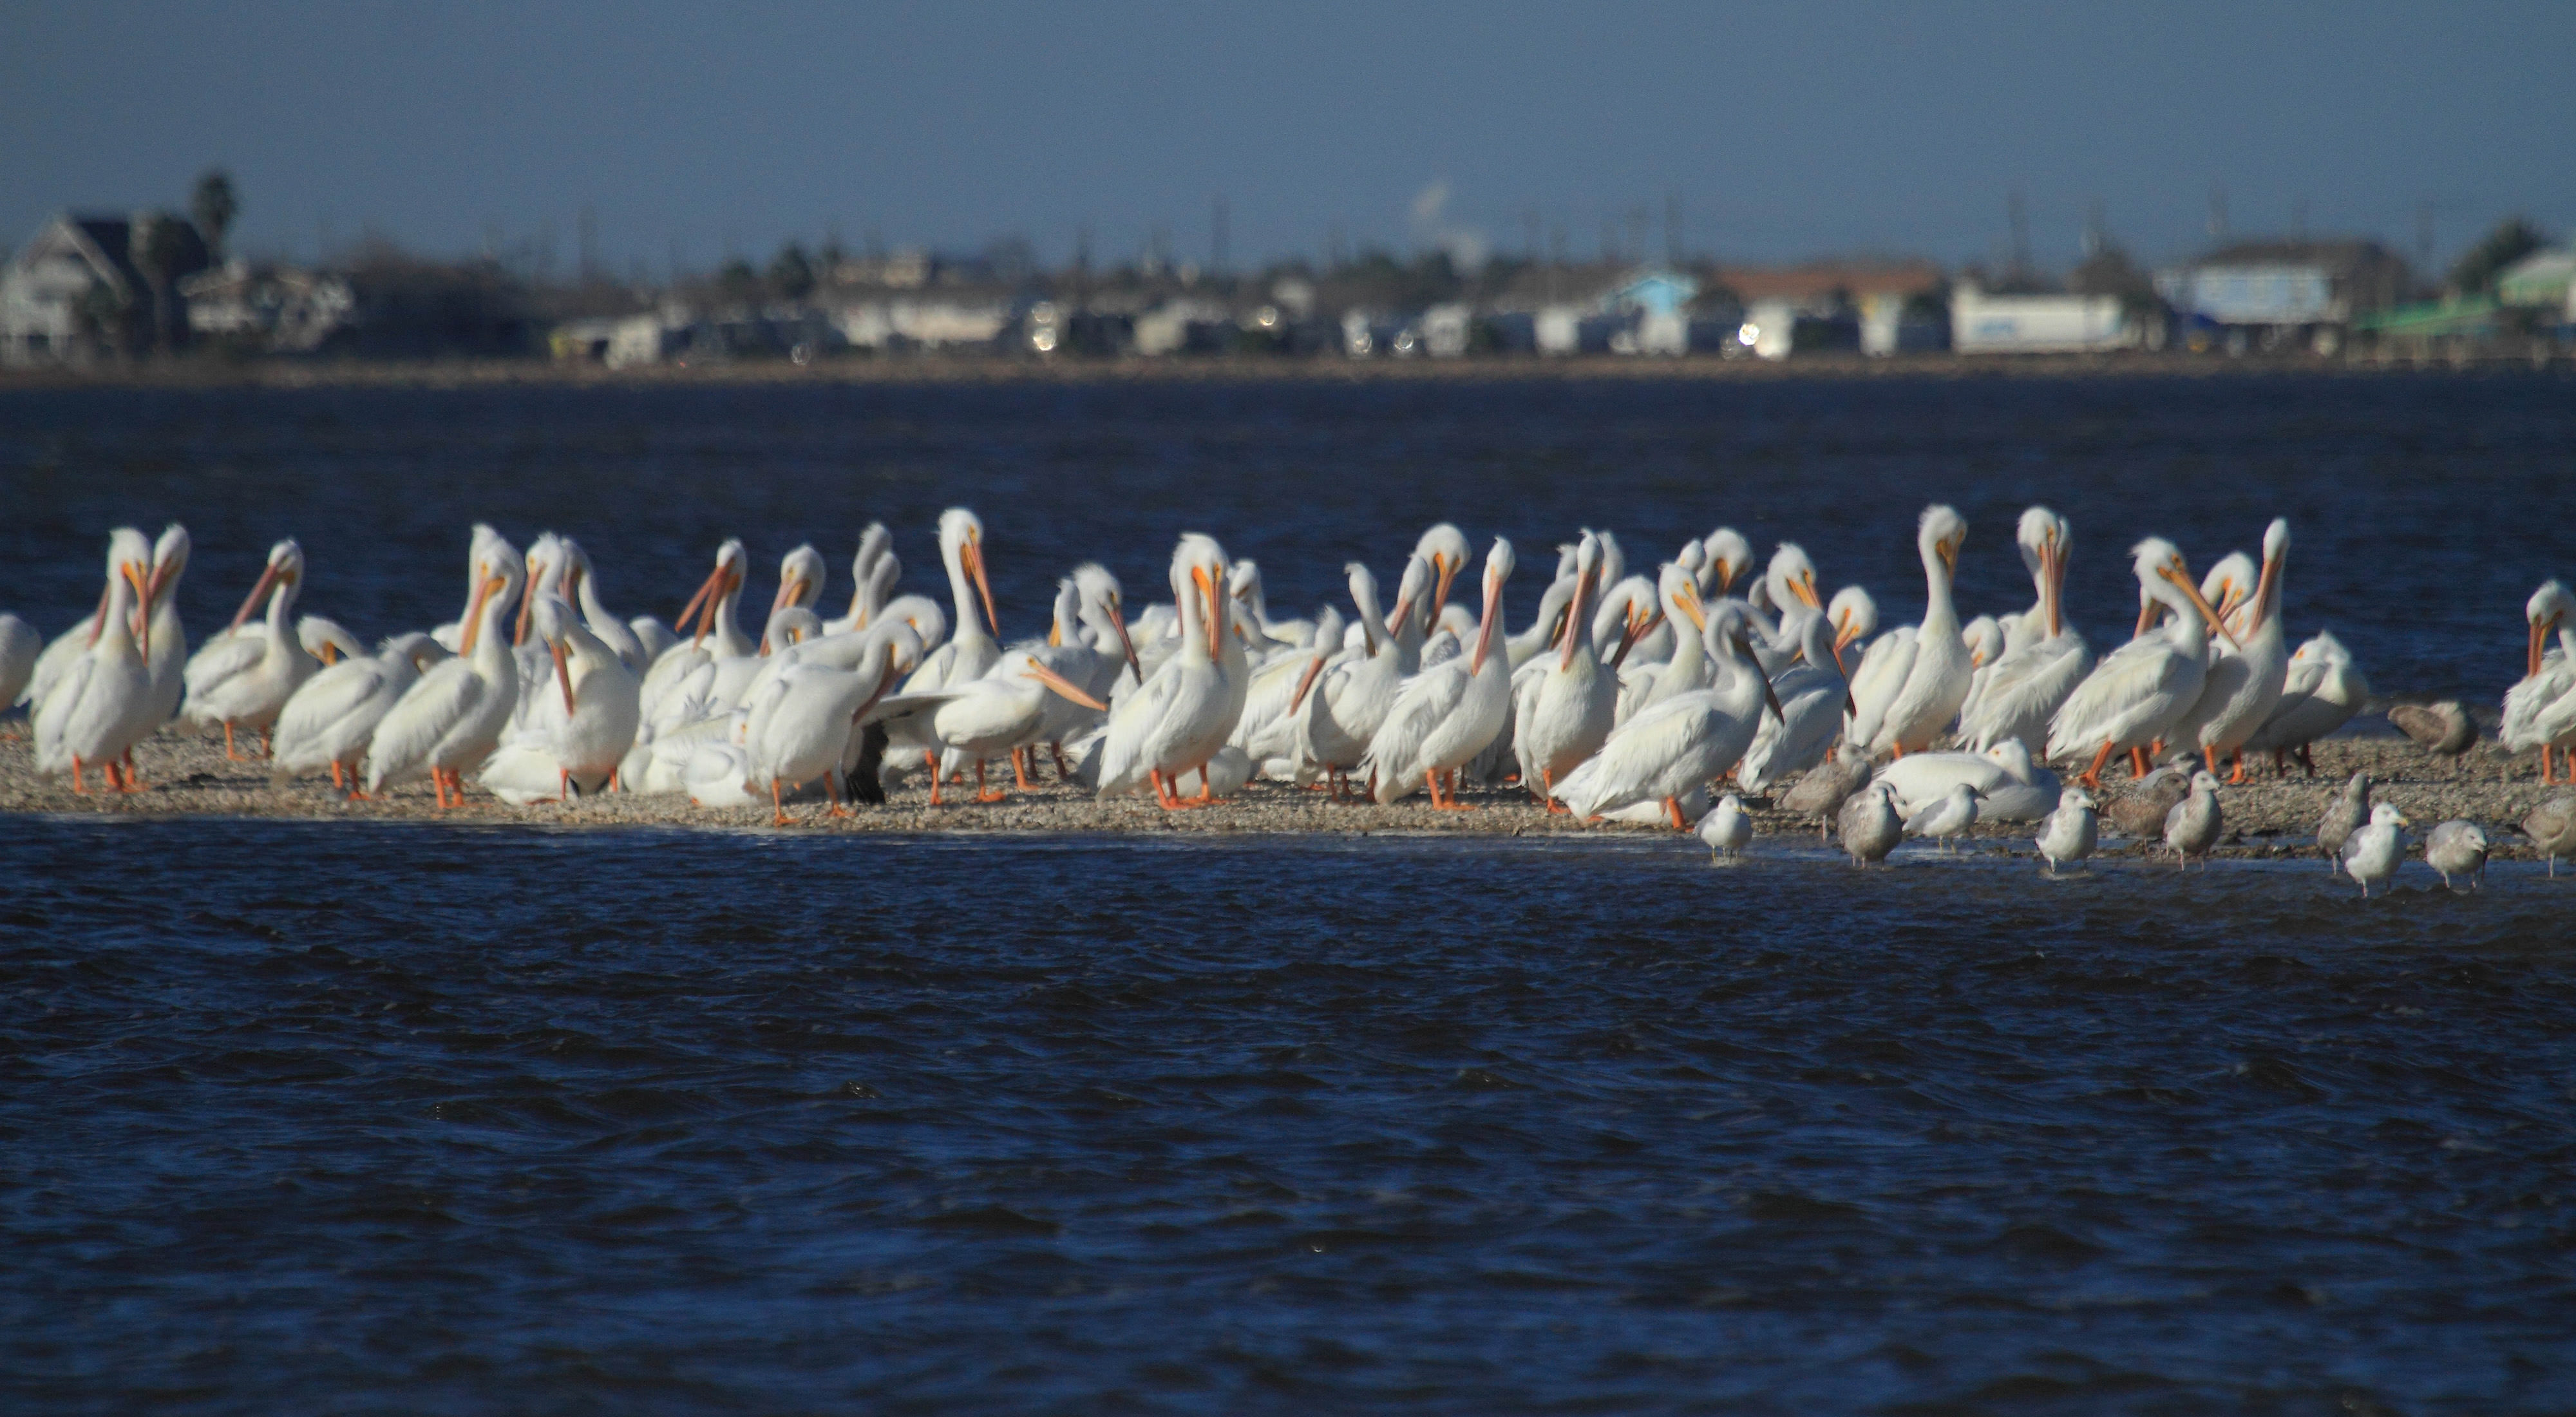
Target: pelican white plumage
x,y
2245,674
2010,787
873,573
973,646
69,647
716,635
1685,742
2044,658
1270,729
99,705
2548,678
478,553
990,717
1178,718
581,586
169,656
2139,691
590,712
449,721
329,721
242,680
1725,557
1565,704
1345,704
801,724
19,646
1814,700
1447,714
2320,693
1688,669
1913,697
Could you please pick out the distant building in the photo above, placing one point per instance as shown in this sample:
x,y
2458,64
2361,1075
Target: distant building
x,y
2036,324
2543,280
74,292
272,308
2286,289
925,320
1185,325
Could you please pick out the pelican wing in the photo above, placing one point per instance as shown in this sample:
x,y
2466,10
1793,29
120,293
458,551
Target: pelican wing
x,y
2136,687
2025,690
223,658
433,708
1641,757
1132,721
1884,668
321,705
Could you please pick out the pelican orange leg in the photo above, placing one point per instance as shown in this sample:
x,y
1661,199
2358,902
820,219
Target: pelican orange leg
x,y
983,793
2092,776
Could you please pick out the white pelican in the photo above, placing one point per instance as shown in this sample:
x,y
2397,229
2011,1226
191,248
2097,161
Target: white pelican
x,y
99,706
972,648
2069,833
242,680
1271,727
1445,715
330,719
1946,818
1091,650
717,634
2043,660
1686,741
450,720
2457,848
2549,677
1688,669
987,718
1340,707
801,725
479,551
169,657
581,586
2244,680
873,573
1814,697
1984,638
2373,854
2320,693
1564,707
67,648
578,739
1726,828
19,646
2010,787
801,574
1178,718
1444,547
1913,695
1725,557
1543,631
2193,824
2143,688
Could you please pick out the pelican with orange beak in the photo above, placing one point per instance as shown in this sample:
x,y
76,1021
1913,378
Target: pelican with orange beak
x,y
242,679
2548,677
1914,698
974,646
707,627
1181,715
574,742
2141,690
2044,658
1447,714
449,721
100,705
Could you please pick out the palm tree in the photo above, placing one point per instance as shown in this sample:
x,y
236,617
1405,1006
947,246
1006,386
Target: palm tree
x,y
154,246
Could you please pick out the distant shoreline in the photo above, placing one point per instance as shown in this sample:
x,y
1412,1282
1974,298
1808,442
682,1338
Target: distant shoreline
x,y
931,369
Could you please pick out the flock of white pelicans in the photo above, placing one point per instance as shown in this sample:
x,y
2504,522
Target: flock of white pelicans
x,y
1626,697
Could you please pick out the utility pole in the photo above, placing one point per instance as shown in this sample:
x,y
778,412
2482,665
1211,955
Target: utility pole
x,y
2094,238
2020,235
1219,239
1529,235
1673,229
2217,212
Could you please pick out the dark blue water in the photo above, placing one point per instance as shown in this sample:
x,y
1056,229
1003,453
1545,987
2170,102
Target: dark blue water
x,y
2426,507
365,1118
326,1118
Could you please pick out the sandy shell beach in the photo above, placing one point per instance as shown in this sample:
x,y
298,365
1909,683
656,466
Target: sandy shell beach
x,y
187,776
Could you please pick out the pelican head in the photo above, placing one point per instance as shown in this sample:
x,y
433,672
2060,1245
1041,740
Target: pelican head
x,y
548,620
961,545
1445,547
1587,578
1413,597
285,567
1678,589
1985,641
800,579
169,561
724,580
1729,557
2546,610
1363,584
1201,564
1854,613
2230,582
2165,577
1940,535
1104,607
1728,638
1791,578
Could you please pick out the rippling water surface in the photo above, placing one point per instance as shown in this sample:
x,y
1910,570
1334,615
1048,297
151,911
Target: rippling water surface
x,y
368,1118
323,1117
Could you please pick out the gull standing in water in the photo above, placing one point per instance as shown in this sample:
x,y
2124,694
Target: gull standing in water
x,y
1947,818
2343,816
2068,834
2372,856
1726,828
2457,848
2192,827
1868,824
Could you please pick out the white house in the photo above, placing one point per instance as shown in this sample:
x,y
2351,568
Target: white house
x,y
2036,324
74,291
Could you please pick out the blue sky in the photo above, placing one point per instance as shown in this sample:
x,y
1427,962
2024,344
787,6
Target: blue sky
x,y
1782,130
